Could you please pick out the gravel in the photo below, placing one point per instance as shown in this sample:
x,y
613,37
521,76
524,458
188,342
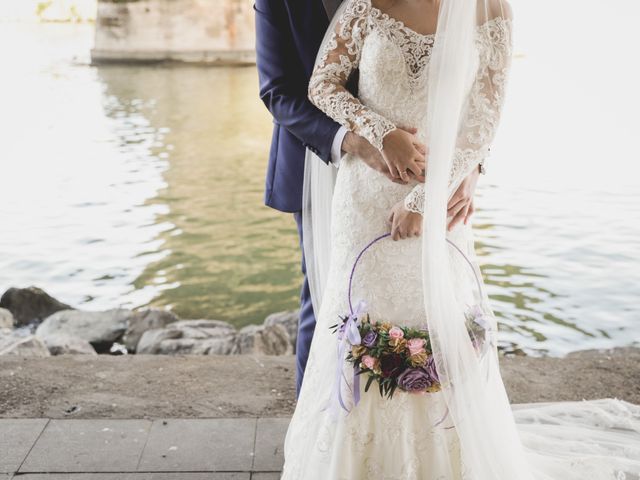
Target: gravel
x,y
160,386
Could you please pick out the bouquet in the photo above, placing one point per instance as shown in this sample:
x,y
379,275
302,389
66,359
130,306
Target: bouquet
x,y
398,357
394,356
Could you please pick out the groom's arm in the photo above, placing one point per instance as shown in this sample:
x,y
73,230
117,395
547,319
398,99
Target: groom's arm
x,y
281,89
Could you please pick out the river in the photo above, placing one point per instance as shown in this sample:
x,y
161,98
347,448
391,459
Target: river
x,y
142,185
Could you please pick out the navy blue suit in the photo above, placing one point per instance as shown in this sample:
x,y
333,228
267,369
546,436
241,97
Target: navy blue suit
x,y
289,34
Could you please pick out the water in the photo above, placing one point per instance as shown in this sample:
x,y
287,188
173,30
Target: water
x,y
142,185
139,185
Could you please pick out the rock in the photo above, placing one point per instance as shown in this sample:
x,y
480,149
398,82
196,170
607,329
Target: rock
x,y
204,337
59,344
7,332
30,305
264,340
6,318
17,343
144,320
101,329
289,320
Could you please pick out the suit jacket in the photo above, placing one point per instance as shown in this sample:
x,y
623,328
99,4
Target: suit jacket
x,y
288,37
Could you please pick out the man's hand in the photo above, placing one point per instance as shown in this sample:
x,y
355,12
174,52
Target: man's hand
x,y
403,153
361,148
404,224
460,207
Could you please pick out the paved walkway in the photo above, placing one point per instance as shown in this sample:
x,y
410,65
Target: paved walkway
x,y
202,400
172,449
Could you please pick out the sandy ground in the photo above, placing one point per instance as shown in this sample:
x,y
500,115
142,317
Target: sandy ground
x,y
150,386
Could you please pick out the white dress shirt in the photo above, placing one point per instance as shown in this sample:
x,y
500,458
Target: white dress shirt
x,y
336,146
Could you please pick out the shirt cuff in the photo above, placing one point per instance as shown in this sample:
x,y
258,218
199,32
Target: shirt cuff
x,y
336,146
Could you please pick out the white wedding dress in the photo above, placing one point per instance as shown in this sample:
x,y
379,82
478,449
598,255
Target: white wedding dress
x,y
404,438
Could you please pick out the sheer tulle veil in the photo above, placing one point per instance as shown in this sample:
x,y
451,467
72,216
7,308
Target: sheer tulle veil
x,y
538,441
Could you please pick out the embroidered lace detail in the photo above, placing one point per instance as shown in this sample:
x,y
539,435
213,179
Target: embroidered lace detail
x,y
486,98
377,112
483,108
404,439
396,440
414,202
463,162
337,62
416,47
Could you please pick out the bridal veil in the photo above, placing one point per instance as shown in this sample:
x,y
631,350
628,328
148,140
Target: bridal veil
x,y
562,441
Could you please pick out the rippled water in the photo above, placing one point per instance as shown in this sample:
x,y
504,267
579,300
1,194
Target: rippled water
x,y
142,185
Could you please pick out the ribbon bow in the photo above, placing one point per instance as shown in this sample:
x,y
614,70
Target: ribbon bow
x,y
480,318
348,336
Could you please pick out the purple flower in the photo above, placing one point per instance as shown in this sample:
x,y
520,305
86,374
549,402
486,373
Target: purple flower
x,y
390,364
370,339
415,380
430,368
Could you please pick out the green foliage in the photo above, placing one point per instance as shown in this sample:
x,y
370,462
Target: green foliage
x,y
369,382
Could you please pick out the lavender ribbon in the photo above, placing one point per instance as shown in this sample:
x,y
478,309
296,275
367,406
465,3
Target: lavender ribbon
x,y
480,318
348,336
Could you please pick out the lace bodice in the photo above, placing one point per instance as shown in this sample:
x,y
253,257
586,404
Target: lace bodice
x,y
393,63
416,437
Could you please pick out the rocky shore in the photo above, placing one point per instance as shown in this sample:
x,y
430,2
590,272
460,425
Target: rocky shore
x,y
50,367
34,324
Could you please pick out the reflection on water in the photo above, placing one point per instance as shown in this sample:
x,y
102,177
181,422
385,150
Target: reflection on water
x,y
231,258
139,185
142,185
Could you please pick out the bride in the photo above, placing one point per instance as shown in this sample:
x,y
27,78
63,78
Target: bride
x,y
448,83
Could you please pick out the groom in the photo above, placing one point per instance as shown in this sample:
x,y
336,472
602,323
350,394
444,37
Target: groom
x,y
288,37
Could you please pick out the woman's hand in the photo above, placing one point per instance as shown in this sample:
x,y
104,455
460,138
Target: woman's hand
x,y
460,207
403,154
371,156
404,224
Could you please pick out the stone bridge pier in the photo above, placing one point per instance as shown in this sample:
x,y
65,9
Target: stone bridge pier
x,y
195,31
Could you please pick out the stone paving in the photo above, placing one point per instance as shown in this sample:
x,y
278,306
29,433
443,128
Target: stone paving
x,y
112,449
214,418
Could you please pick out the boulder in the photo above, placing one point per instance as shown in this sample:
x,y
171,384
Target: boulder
x,y
144,320
101,329
59,344
5,333
264,340
30,305
198,337
18,343
6,318
289,320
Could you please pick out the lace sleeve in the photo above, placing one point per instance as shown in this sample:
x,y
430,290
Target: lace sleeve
x,y
483,108
486,98
414,202
340,57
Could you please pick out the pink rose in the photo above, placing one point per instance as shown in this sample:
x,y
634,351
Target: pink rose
x,y
416,345
396,333
369,362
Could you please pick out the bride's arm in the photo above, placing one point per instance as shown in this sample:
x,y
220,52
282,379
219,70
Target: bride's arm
x,y
340,58
484,105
